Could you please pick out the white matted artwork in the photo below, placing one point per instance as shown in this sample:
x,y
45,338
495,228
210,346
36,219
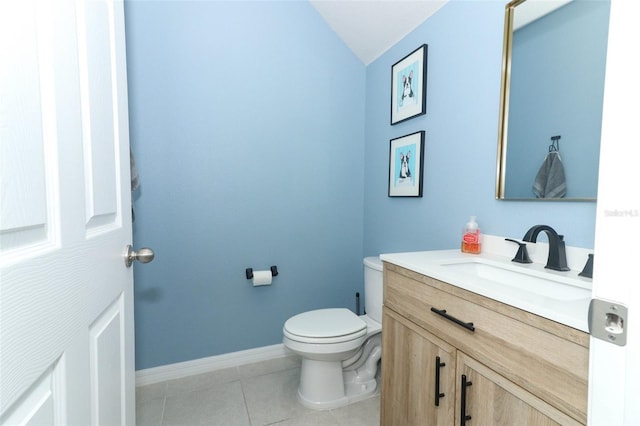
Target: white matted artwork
x,y
409,86
406,165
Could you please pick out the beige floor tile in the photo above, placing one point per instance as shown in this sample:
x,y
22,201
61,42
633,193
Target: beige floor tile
x,y
260,394
201,381
148,392
269,366
272,397
149,412
317,418
363,413
220,405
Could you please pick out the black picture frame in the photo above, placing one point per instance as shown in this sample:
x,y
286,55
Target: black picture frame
x,y
406,165
409,86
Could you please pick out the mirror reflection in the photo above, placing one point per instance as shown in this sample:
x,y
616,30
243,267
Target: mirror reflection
x,y
552,93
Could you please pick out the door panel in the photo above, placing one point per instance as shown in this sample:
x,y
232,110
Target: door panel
x,y
99,128
107,365
26,136
40,405
66,296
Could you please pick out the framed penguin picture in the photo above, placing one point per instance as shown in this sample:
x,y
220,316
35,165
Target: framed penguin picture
x,y
409,86
406,165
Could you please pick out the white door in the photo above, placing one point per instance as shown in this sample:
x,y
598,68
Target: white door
x,y
614,377
66,296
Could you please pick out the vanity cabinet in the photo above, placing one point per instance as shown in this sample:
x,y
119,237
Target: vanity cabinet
x,y
422,366
508,367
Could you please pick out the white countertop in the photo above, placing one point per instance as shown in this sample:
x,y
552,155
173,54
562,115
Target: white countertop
x,y
572,312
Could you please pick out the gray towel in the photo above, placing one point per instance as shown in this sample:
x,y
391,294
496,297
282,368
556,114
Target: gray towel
x,y
550,181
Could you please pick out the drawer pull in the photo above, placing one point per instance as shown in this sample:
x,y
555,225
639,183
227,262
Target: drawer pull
x,y
442,312
463,401
438,393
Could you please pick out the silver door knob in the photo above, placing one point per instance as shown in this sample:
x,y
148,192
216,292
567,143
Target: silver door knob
x,y
144,255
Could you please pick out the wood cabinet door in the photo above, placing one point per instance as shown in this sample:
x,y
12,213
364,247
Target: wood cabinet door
x,y
490,399
412,360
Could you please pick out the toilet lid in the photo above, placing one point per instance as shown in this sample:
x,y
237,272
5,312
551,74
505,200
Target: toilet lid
x,y
325,323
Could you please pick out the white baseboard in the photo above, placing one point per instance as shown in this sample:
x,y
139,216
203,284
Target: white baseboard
x,y
204,365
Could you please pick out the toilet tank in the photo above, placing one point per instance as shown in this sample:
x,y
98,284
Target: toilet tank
x,y
373,288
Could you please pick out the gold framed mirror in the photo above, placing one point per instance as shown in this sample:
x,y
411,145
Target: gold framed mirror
x,y
553,65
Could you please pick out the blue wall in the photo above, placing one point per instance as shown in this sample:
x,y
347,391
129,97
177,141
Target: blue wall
x,y
561,94
461,124
255,147
247,123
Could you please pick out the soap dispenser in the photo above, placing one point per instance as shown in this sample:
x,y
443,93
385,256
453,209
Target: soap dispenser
x,y
471,237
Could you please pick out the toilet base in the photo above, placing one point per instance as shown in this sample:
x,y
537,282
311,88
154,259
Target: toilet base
x,y
350,390
325,385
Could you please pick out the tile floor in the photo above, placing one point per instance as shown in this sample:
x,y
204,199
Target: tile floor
x,y
257,394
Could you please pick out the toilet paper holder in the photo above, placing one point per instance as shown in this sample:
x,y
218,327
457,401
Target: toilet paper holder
x,y
249,272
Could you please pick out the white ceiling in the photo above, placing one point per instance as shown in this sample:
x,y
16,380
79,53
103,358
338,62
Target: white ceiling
x,y
371,27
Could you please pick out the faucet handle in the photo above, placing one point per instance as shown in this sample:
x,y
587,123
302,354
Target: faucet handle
x,y
522,256
587,271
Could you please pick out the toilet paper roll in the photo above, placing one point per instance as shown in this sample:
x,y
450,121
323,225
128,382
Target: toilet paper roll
x,y
261,278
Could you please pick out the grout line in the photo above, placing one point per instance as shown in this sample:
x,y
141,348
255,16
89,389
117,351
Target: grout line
x,y
244,397
164,402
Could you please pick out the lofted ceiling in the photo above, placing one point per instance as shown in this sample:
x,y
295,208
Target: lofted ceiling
x,y
371,27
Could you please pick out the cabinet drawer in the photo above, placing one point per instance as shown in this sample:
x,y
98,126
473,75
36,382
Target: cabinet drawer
x,y
547,359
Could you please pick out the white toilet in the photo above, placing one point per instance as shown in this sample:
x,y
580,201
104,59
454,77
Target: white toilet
x,y
340,350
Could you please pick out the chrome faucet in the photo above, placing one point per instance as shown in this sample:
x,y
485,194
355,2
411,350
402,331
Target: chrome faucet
x,y
557,259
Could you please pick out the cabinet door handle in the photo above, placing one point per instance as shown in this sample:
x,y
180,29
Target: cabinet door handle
x,y
443,312
463,401
438,393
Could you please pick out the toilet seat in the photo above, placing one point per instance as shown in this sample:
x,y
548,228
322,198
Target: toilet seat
x,y
324,326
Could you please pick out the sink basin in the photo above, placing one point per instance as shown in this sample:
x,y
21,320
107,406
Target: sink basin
x,y
517,279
